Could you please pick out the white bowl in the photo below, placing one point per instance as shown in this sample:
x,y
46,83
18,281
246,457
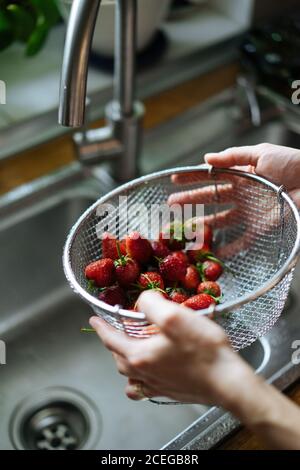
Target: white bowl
x,y
151,14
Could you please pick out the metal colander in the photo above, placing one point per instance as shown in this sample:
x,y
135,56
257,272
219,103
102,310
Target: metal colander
x,y
260,246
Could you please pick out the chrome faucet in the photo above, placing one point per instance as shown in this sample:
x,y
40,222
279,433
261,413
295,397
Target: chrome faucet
x,y
120,140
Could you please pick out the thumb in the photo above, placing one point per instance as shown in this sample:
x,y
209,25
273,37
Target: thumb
x,y
174,320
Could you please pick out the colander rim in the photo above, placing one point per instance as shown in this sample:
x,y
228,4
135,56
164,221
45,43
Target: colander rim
x,y
219,309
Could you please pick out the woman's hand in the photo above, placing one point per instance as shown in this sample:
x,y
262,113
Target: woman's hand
x,y
190,360
279,164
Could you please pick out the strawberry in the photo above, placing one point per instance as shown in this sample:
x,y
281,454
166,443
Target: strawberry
x,y
173,237
199,302
102,272
151,280
198,252
211,270
111,246
205,231
138,248
181,256
178,296
191,279
114,295
207,235
209,287
122,246
173,267
160,249
127,271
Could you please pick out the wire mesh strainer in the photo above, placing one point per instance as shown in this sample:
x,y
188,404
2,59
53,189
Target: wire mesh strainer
x,y
261,246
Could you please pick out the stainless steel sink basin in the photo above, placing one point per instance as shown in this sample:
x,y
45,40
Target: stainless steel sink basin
x,y
60,388
55,373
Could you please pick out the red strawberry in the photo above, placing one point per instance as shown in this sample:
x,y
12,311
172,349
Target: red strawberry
x,y
173,267
191,279
209,287
211,270
181,256
205,231
178,296
207,235
114,295
127,271
198,252
199,302
122,245
102,272
172,243
151,280
160,249
138,248
110,246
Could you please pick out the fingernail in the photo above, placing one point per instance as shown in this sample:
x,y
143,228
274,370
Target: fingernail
x,y
207,156
94,322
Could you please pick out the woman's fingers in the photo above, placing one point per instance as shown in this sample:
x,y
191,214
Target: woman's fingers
x,y
222,219
175,321
190,178
113,339
206,195
235,156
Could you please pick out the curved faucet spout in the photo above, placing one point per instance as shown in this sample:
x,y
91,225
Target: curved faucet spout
x,y
75,63
119,142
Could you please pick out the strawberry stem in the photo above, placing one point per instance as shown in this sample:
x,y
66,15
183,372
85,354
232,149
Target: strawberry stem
x,y
87,330
118,248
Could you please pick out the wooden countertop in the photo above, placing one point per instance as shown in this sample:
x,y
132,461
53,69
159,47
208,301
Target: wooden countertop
x,y
52,155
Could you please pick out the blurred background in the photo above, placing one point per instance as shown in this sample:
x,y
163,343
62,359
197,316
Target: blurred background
x,y
178,40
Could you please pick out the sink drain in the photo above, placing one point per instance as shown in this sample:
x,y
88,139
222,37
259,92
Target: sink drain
x,y
56,419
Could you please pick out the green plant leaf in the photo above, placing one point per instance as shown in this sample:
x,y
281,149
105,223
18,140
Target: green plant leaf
x,y
48,9
22,21
6,31
37,39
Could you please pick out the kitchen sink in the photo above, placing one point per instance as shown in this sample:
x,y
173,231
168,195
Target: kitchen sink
x,y
57,377
60,388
